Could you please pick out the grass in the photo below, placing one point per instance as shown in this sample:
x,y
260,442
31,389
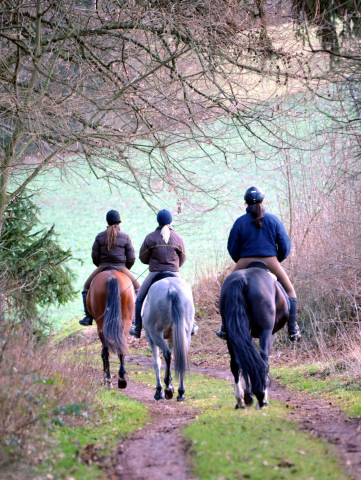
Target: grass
x,y
320,379
228,444
78,451
257,445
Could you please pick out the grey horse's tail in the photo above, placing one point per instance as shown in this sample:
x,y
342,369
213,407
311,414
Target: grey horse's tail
x,y
254,369
113,331
179,334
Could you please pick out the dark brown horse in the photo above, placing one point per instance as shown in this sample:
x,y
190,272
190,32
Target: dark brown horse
x,y
252,305
110,301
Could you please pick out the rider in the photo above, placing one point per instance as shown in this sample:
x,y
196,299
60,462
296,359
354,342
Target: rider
x,y
258,235
112,247
164,251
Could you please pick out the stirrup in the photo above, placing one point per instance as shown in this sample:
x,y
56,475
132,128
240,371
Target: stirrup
x,y
195,329
135,331
221,334
86,321
295,335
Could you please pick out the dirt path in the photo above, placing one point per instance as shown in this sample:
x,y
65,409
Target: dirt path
x,y
158,450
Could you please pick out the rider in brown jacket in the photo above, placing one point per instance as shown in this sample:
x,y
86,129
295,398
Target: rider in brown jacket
x,y
112,247
164,251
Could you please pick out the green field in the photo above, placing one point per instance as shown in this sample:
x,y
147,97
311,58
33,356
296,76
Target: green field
x,y
77,202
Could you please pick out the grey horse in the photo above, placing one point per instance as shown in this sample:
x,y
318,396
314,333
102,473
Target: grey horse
x,y
168,316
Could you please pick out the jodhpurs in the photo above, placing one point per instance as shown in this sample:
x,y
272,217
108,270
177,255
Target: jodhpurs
x,y
275,267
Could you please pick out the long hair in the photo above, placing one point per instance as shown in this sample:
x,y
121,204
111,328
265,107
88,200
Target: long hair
x,y
111,236
257,211
165,233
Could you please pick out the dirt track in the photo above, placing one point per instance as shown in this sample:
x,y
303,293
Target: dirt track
x,y
144,454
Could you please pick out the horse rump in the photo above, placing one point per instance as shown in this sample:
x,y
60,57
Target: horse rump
x,y
233,308
113,331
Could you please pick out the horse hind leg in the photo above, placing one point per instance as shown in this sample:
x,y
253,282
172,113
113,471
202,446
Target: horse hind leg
x,y
169,389
262,400
181,391
238,390
159,394
107,381
122,382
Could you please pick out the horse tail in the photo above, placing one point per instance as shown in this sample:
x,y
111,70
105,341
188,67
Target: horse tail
x,y
179,335
113,331
254,369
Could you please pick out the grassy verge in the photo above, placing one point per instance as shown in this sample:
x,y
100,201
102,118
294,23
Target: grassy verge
x,y
229,444
320,379
80,451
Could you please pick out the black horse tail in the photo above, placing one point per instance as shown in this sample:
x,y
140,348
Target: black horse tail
x,y
179,334
254,369
113,331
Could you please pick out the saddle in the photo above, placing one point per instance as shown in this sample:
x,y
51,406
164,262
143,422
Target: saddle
x,y
264,266
109,267
160,276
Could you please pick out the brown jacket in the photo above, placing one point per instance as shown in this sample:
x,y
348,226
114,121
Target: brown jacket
x,y
121,254
161,256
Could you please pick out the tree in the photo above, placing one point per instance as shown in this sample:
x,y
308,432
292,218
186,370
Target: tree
x,y
33,266
123,86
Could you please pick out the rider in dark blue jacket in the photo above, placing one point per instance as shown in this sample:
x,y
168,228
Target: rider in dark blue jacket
x,y
259,235
245,240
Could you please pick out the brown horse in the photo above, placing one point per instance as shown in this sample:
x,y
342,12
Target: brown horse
x,y
110,301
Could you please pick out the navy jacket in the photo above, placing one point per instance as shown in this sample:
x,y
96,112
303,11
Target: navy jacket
x,y
246,240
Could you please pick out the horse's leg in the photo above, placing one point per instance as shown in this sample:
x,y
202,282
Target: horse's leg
x,y
122,382
167,354
107,381
238,390
169,389
266,340
159,395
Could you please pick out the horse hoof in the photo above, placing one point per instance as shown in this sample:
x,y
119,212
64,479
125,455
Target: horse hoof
x,y
108,384
159,395
181,398
248,399
240,405
168,393
122,383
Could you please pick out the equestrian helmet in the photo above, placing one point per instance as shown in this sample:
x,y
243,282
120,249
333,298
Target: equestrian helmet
x,y
164,217
253,195
113,217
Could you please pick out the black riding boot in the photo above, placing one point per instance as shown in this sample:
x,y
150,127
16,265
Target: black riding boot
x,y
221,333
136,328
293,329
87,320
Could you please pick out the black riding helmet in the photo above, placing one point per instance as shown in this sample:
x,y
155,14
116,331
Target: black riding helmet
x,y
253,195
113,217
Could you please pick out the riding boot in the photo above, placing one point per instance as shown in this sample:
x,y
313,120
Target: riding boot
x,y
293,328
87,320
137,327
221,333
